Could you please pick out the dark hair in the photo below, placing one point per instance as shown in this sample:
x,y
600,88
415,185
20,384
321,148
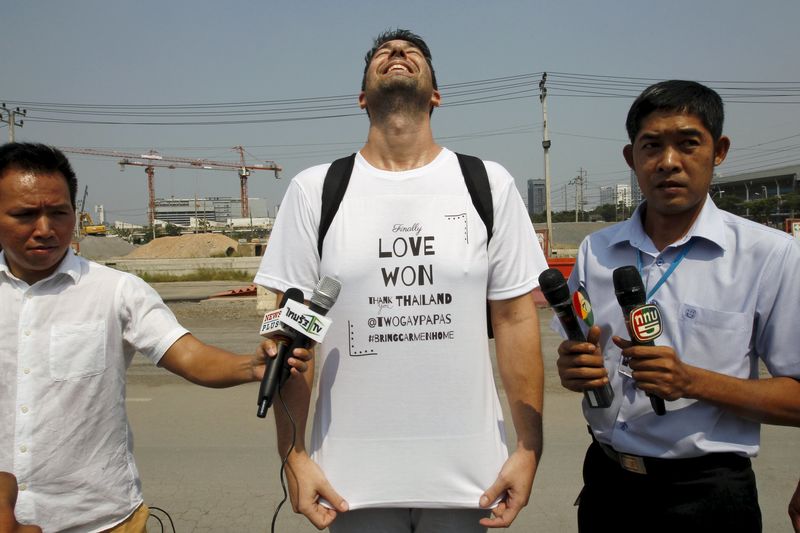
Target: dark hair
x,y
35,157
680,96
402,35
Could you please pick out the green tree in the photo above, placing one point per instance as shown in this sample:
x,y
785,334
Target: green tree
x,y
607,212
731,204
172,230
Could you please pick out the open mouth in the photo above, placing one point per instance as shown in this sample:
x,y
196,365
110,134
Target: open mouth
x,y
398,67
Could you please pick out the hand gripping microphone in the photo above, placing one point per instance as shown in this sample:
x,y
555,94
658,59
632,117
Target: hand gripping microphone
x,y
556,292
273,328
300,327
643,319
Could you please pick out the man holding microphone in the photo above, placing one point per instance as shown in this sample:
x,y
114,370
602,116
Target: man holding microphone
x,y
728,294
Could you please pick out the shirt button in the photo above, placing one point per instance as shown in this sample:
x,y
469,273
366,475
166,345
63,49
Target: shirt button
x,y
623,426
24,409
23,448
23,486
659,261
27,371
27,333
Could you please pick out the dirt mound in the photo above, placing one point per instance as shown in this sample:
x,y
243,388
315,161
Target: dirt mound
x,y
199,245
92,247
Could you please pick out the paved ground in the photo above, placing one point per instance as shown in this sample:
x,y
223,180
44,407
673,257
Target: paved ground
x,y
208,460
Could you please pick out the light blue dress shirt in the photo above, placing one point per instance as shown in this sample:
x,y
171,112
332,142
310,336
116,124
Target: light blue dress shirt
x,y
734,299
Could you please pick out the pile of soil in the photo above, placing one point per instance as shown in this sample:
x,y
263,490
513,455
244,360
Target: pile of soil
x,y
96,248
197,245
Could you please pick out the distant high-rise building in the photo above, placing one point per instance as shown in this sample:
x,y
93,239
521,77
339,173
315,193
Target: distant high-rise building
x,y
607,195
536,197
615,195
636,192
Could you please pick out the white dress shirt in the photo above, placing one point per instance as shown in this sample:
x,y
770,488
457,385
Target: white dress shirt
x,y
65,345
734,299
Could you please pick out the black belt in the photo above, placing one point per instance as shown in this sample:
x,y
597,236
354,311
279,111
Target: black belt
x,y
674,467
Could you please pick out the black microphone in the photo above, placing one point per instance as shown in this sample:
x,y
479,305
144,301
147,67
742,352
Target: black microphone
x,y
273,328
300,327
322,299
556,292
643,320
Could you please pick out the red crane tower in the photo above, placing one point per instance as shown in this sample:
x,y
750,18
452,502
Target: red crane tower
x,y
153,159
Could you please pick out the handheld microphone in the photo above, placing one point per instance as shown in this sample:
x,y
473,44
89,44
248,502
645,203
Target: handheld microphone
x,y
556,292
301,327
643,319
273,328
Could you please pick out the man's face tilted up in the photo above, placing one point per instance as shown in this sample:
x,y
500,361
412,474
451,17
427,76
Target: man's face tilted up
x,y
399,78
36,222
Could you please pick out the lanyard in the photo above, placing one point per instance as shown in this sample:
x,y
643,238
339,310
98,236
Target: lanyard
x,y
670,270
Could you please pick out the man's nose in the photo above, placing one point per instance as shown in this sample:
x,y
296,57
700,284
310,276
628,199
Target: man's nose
x,y
669,160
397,50
44,226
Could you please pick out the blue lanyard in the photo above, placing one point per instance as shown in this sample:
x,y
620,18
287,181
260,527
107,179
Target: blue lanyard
x,y
684,251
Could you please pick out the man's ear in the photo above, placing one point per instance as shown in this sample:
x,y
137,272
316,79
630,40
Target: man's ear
x,y
721,148
362,100
627,153
436,99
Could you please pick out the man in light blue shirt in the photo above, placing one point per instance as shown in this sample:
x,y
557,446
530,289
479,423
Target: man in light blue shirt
x,y
728,291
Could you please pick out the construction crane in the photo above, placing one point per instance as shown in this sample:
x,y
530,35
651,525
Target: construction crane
x,y
151,160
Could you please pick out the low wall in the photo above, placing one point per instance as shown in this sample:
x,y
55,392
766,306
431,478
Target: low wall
x,y
180,267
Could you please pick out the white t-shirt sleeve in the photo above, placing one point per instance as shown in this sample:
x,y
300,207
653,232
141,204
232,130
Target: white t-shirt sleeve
x,y
291,258
515,257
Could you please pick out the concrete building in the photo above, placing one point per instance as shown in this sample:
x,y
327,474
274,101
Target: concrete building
x,y
636,192
607,195
536,197
180,211
616,194
758,184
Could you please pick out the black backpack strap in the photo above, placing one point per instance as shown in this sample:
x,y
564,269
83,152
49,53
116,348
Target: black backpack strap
x,y
477,182
333,189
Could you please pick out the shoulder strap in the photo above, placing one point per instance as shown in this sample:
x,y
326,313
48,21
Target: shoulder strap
x,y
333,189
338,177
477,182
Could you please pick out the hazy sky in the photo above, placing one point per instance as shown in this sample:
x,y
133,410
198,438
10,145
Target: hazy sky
x,y
489,55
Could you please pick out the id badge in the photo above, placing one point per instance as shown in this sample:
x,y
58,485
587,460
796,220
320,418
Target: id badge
x,y
623,369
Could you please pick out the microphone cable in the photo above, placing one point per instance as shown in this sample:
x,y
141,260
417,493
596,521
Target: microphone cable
x,y
161,522
285,459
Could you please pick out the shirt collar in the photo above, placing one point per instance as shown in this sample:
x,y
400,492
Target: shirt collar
x,y
709,226
69,266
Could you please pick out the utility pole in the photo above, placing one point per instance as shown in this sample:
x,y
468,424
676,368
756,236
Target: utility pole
x,y
579,182
10,118
546,148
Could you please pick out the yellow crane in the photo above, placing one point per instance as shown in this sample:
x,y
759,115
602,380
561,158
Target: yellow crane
x,y
85,222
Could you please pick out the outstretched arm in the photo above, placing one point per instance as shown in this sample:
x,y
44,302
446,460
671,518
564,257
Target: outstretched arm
x,y
210,366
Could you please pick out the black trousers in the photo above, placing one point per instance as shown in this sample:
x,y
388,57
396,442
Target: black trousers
x,y
704,497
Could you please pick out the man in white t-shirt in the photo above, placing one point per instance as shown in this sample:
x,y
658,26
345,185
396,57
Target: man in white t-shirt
x,y
68,331
408,429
